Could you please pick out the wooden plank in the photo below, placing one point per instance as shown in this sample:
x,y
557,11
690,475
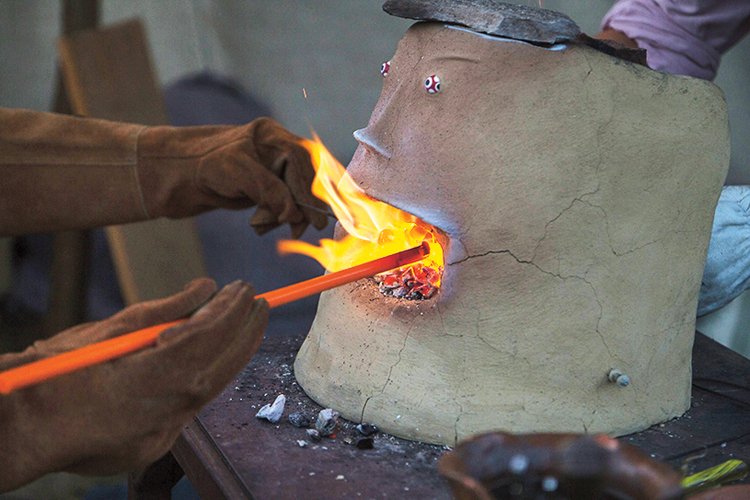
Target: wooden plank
x,y
155,258
71,250
108,74
206,466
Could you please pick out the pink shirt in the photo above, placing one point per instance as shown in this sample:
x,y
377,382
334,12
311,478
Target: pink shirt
x,y
685,37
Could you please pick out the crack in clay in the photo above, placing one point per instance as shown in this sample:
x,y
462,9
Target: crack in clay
x,y
442,320
477,331
482,339
442,323
558,275
610,244
599,319
554,275
390,371
599,132
364,406
578,199
462,384
609,235
455,424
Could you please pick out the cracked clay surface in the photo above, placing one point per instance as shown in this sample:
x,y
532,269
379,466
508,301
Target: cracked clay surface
x,y
579,193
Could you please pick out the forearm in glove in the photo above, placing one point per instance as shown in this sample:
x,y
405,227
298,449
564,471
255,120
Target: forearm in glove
x,y
60,172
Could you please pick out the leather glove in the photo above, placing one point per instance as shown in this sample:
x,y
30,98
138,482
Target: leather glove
x,y
61,172
184,171
124,414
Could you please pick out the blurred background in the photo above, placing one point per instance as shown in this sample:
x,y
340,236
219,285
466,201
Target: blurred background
x,y
332,49
310,65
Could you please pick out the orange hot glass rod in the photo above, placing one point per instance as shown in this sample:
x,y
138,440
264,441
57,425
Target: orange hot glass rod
x,y
100,352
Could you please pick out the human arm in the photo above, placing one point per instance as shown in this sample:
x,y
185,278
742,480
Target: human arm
x,y
680,37
125,414
61,172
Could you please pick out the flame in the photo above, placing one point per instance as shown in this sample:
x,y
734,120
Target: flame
x,y
374,228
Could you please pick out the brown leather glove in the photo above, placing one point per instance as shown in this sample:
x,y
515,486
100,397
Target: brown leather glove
x,y
60,172
125,414
184,171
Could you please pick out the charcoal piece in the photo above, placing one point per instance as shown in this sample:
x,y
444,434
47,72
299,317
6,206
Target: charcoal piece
x,y
365,443
272,412
519,22
327,421
366,429
313,434
299,419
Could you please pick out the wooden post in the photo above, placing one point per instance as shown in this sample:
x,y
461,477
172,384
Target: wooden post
x,y
71,250
108,74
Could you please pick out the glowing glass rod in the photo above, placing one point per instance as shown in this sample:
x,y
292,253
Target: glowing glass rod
x,y
100,352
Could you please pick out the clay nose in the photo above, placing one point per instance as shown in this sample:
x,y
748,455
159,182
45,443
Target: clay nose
x,y
365,138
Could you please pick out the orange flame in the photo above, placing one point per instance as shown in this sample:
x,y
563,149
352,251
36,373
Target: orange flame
x,y
374,228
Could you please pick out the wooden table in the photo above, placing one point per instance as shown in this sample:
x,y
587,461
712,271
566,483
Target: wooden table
x,y
227,452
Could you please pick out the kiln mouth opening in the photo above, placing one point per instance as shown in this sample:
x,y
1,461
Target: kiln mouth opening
x,y
419,281
369,229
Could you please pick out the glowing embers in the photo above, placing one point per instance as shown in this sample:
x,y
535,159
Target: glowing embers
x,y
373,228
415,282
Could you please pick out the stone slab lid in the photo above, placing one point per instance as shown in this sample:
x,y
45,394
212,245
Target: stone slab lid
x,y
518,22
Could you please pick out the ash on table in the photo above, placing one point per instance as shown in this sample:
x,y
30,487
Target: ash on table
x,y
271,373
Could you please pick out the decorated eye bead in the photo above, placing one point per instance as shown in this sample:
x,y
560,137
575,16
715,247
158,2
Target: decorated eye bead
x,y
432,84
385,68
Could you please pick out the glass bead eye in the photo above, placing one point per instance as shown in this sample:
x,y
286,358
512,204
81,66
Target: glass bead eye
x,y
385,68
432,84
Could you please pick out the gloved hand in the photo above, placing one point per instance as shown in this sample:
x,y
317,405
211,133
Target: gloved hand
x,y
62,172
185,171
125,414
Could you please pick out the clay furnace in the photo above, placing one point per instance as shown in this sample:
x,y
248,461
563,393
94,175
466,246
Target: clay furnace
x,y
577,191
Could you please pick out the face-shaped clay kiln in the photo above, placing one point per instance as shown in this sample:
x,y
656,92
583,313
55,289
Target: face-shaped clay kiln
x,y
577,191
